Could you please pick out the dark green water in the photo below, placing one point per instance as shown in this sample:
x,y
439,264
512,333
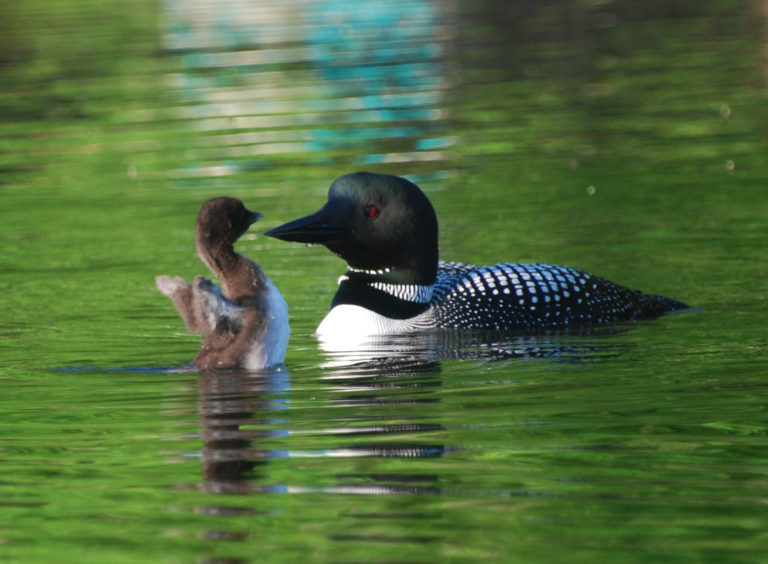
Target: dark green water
x,y
626,139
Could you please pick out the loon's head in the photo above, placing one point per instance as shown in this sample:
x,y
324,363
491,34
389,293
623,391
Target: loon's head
x,y
375,222
222,221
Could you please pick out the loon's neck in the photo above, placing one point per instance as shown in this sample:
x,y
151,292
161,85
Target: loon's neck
x,y
387,292
239,276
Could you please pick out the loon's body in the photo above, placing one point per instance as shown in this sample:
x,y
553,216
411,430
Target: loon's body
x,y
386,230
244,324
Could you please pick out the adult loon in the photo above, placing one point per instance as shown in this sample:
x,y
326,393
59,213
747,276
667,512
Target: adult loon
x,y
385,228
246,324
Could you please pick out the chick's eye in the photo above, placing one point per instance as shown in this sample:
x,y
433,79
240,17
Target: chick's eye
x,y
371,212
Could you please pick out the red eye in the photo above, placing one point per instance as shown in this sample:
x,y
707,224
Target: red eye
x,y
370,211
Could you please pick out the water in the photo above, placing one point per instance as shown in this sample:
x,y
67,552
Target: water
x,y
625,140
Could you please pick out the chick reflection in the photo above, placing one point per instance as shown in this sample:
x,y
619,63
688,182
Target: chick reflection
x,y
233,405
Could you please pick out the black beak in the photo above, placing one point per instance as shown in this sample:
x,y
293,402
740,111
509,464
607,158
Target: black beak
x,y
314,228
255,216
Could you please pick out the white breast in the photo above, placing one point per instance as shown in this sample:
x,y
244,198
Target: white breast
x,y
349,325
270,350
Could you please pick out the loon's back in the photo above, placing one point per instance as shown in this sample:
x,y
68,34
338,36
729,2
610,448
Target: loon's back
x,y
535,297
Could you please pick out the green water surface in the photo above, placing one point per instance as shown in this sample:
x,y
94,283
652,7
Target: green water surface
x,y
626,139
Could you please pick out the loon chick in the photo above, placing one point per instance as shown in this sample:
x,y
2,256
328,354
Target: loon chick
x,y
385,228
246,324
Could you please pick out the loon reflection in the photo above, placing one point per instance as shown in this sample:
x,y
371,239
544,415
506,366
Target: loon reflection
x,y
425,349
360,405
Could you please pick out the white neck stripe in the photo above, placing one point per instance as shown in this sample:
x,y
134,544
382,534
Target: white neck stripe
x,y
371,272
408,292
417,293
